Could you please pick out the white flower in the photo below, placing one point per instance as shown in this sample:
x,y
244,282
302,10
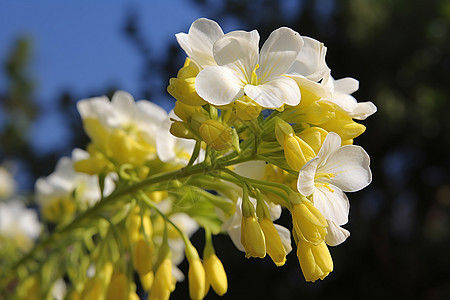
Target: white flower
x,y
242,69
233,225
326,177
198,43
7,183
310,63
65,182
341,91
18,222
141,118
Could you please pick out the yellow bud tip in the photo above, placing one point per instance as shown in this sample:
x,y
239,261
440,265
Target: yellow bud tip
x,y
215,274
197,280
315,260
216,135
275,247
309,223
164,283
252,238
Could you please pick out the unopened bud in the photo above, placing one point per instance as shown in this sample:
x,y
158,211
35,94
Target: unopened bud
x,y
252,238
216,135
247,109
182,88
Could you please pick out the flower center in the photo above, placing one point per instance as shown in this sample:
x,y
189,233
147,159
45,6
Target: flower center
x,y
319,176
254,79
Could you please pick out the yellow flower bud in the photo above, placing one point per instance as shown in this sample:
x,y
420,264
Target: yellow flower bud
x,y
143,256
314,137
344,125
118,288
127,149
247,109
196,277
74,295
133,296
29,288
182,88
275,248
147,280
309,223
158,196
59,209
197,120
216,135
93,289
315,260
297,152
215,274
164,283
180,130
282,130
95,164
252,238
317,113
97,133
185,112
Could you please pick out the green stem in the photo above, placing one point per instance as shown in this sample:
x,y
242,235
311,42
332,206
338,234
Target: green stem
x,y
195,153
181,173
150,204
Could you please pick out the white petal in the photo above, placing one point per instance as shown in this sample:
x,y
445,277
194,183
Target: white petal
x,y
218,85
252,169
89,108
165,142
149,112
285,236
346,85
185,223
235,235
177,246
233,226
124,105
334,205
238,50
331,144
310,61
198,44
79,154
363,110
29,223
274,210
336,235
350,167
278,53
274,93
316,88
305,183
177,273
110,185
346,102
59,289
63,179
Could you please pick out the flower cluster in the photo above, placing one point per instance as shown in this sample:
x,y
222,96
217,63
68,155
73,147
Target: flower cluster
x,y
253,132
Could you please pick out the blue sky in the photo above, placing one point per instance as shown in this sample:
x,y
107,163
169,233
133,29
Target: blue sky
x,y
80,45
